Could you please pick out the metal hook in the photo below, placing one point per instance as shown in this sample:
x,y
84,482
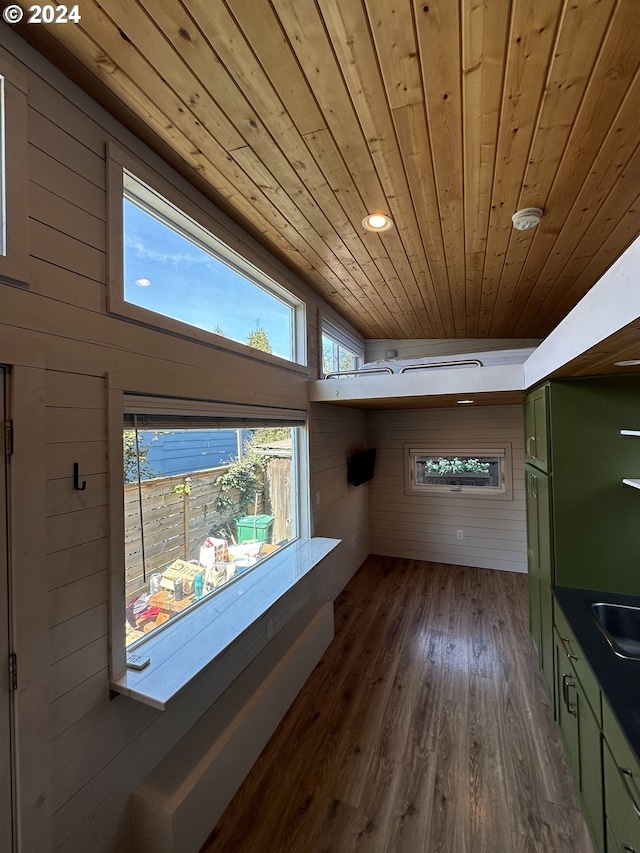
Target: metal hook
x,y
76,478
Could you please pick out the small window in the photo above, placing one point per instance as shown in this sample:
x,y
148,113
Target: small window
x,y
169,270
479,471
340,351
205,500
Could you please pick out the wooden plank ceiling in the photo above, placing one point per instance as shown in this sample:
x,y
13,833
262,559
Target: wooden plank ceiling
x,y
302,116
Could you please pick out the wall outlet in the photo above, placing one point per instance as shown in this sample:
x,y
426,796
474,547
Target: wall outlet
x,y
318,498
459,534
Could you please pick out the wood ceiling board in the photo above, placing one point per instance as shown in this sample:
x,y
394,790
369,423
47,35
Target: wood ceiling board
x,y
567,81
346,24
601,359
438,35
337,111
484,35
307,34
618,216
437,401
624,234
559,273
530,45
613,73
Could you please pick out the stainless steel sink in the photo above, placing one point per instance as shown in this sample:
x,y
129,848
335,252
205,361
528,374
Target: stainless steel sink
x,y
620,625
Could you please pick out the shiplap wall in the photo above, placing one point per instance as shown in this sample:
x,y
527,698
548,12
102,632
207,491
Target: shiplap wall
x,y
420,348
80,762
339,510
424,526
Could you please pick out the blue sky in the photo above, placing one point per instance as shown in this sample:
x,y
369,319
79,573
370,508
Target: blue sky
x,y
190,285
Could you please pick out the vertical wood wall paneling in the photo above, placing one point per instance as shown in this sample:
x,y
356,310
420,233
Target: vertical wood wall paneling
x,y
424,527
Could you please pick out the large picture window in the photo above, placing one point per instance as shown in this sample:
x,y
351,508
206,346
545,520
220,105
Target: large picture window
x,y
474,470
174,267
206,499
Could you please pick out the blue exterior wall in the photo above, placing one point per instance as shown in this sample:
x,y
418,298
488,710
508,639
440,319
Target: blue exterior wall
x,y
192,450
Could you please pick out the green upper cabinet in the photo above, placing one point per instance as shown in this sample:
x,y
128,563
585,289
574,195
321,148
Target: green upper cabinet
x,y
596,517
536,443
573,432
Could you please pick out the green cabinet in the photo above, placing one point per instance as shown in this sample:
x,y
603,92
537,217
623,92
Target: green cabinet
x,y
622,788
536,442
572,433
582,532
580,726
582,526
539,562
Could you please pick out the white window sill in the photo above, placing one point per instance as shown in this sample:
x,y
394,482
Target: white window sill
x,y
180,652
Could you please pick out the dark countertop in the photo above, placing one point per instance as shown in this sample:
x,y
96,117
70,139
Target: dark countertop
x,y
619,678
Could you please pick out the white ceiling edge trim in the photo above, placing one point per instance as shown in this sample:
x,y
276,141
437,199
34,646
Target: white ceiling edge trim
x,y
611,304
498,377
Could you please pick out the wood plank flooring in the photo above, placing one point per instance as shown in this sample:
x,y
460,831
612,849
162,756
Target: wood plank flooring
x,y
425,728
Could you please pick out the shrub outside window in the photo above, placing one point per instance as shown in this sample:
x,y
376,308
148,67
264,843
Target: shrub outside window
x,y
479,471
231,500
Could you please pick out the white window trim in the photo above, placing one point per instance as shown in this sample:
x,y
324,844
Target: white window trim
x,y
474,448
153,190
176,665
340,334
14,245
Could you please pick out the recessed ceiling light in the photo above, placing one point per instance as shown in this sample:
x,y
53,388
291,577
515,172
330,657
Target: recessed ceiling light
x,y
528,217
143,282
377,222
461,402
633,362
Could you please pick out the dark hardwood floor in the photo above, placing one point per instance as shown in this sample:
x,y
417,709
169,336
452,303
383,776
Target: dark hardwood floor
x,y
424,728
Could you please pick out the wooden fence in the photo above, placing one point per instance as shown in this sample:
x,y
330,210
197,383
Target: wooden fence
x,y
180,511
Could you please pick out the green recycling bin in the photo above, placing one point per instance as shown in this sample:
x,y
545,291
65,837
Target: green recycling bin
x,y
256,527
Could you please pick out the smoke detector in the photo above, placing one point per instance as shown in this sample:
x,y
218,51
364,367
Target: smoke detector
x,y
528,217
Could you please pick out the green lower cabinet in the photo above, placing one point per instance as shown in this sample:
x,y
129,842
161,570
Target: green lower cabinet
x,y
582,739
612,843
621,793
621,787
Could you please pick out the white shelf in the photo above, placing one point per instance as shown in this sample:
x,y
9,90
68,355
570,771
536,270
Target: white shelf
x,y
630,432
635,484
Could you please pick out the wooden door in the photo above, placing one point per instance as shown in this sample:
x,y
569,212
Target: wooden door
x,y
6,758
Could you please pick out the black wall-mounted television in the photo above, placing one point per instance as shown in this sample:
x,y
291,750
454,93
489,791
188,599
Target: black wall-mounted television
x,y
360,466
